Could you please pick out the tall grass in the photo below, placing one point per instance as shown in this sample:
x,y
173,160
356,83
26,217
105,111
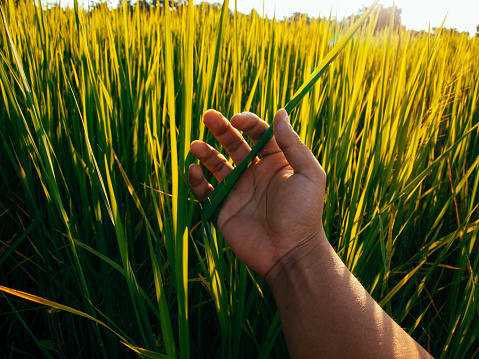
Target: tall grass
x,y
97,222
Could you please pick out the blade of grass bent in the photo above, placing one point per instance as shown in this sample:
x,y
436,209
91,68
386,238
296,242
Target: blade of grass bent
x,y
49,303
214,202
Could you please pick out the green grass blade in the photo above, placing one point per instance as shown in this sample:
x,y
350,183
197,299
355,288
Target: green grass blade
x,y
147,353
213,204
49,303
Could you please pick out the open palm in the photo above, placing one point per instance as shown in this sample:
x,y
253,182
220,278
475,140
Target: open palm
x,y
277,204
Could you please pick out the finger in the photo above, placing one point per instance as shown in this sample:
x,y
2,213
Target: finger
x,y
296,152
212,159
198,183
232,141
255,127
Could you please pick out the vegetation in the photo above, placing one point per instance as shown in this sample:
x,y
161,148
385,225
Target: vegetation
x,y
99,238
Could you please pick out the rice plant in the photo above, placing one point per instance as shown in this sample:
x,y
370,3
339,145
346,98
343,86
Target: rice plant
x,y
101,252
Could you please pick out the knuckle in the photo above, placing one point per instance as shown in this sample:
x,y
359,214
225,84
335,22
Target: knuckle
x,y
210,156
195,182
258,130
249,128
218,166
322,174
223,130
206,192
235,145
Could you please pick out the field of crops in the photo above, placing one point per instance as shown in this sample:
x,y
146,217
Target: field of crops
x,y
100,252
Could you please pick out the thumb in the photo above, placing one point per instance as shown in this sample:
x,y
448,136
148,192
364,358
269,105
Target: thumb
x,y
296,152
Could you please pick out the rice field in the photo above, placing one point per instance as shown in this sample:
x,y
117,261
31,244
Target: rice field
x,y
101,253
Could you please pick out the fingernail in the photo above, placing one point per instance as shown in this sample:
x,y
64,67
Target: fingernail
x,y
285,115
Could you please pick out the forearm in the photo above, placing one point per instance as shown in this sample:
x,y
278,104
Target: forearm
x,y
325,311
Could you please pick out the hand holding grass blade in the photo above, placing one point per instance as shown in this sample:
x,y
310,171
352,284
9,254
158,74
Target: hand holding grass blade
x,y
214,202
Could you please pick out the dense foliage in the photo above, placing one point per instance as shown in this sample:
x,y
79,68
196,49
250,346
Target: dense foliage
x,y
96,116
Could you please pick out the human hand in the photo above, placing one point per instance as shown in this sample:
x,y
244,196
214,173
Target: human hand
x,y
276,207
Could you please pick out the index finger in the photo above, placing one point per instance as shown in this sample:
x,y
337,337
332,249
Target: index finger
x,y
230,138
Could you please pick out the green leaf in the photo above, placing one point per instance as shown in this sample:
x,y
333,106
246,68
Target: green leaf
x,y
49,344
214,202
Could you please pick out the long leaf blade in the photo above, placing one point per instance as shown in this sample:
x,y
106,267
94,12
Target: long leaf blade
x,y
214,202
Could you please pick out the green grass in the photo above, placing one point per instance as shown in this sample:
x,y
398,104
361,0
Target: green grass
x,y
98,226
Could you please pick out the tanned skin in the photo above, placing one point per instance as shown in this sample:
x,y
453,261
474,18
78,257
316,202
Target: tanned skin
x,y
325,312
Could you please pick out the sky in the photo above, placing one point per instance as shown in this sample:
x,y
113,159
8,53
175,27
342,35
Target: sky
x,y
416,14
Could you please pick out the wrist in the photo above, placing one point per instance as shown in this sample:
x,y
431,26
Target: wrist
x,y
299,260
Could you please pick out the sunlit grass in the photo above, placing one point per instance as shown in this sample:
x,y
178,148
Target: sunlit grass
x,y
96,116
